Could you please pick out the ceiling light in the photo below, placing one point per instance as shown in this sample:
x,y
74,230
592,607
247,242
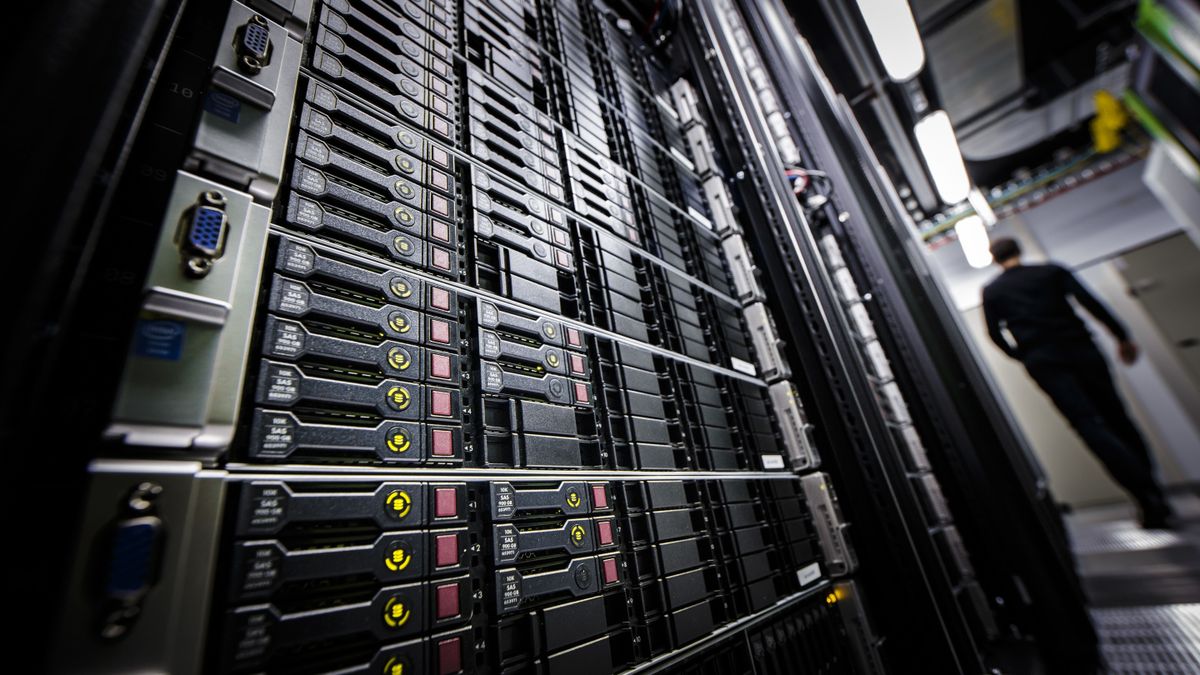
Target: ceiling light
x,y
973,236
894,32
980,203
939,147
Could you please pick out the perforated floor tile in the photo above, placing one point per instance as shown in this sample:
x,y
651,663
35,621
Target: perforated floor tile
x,y
1160,640
1121,535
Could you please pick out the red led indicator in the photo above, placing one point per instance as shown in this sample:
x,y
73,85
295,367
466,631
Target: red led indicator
x,y
445,502
439,298
441,259
610,571
599,497
443,443
446,548
604,533
449,656
439,331
447,599
440,404
439,366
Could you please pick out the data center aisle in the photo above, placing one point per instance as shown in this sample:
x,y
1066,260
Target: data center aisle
x,y
1144,586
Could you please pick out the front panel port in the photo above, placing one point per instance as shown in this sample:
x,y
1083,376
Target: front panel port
x,y
202,234
134,558
252,44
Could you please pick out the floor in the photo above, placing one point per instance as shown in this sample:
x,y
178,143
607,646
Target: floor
x,y
1144,587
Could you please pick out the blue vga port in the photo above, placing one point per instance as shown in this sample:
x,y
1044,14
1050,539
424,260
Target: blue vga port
x,y
202,234
252,44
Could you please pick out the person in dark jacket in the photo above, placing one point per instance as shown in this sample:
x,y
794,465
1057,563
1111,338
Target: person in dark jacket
x,y
1030,302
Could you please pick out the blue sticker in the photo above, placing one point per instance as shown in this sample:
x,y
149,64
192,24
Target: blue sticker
x,y
159,339
223,105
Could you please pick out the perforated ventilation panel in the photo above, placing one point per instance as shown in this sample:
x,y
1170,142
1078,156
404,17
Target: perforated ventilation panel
x,y
1150,640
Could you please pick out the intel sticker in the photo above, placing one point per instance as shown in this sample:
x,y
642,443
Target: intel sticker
x,y
159,339
223,105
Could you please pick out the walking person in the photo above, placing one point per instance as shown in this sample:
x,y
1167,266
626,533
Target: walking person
x,y
1030,302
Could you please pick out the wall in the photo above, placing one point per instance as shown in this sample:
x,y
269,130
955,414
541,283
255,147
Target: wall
x,y
1084,229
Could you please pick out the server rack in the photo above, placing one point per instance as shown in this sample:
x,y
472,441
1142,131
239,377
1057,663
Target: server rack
x,y
992,546
438,341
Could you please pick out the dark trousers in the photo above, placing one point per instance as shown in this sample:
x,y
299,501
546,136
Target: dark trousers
x,y
1077,379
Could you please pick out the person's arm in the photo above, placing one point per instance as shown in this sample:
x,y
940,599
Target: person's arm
x,y
1094,306
994,329
1126,348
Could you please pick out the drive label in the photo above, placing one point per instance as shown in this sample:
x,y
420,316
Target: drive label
x,y
509,587
253,633
316,151
489,345
312,180
267,507
503,500
282,385
808,574
493,378
318,122
772,461
261,569
298,259
287,340
308,213
277,435
506,543
323,96
488,315
293,298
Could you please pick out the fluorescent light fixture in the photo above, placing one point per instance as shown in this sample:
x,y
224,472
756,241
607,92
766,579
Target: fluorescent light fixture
x,y
939,147
980,203
895,35
973,236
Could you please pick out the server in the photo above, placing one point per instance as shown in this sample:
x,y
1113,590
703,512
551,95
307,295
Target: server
x,y
450,336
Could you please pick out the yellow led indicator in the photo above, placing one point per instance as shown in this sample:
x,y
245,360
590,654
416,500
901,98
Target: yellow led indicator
x,y
398,442
394,666
398,559
396,613
549,330
401,288
398,358
399,398
403,245
405,164
399,502
834,596
404,189
577,535
552,359
573,499
403,215
399,322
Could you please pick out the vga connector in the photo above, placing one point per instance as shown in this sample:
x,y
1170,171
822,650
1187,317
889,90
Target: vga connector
x,y
252,43
202,234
